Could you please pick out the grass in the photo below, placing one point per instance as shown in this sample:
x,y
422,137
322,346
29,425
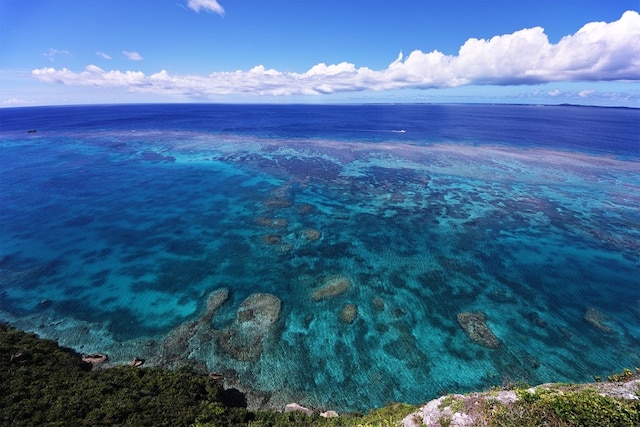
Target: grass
x,y
584,408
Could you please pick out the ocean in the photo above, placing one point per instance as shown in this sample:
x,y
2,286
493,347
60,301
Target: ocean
x,y
340,256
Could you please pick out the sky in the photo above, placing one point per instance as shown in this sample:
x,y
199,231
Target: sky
x,y
55,52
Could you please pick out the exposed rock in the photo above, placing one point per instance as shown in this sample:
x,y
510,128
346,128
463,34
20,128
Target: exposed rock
x,y
136,362
95,359
215,376
294,407
621,389
329,414
464,410
475,326
331,287
436,410
348,313
459,410
597,320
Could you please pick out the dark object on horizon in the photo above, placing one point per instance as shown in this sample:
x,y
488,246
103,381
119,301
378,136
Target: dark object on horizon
x,y
31,131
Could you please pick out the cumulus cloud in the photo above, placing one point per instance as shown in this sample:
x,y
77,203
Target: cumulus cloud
x,y
133,56
103,55
91,76
206,5
599,51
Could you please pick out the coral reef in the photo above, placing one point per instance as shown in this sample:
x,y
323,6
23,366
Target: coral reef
x,y
310,234
277,203
276,243
475,326
306,208
331,287
271,239
596,319
378,303
261,309
214,302
348,313
271,222
255,321
175,348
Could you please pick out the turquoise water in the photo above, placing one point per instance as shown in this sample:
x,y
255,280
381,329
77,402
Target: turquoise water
x,y
118,223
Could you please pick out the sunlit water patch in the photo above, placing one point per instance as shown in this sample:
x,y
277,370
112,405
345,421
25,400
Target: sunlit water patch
x,y
305,259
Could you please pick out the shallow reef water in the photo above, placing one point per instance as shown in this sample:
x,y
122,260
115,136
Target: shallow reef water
x,y
318,255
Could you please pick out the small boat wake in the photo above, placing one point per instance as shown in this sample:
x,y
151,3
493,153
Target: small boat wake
x,y
375,130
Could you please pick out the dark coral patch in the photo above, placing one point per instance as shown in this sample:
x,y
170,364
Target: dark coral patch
x,y
271,239
476,328
310,234
271,222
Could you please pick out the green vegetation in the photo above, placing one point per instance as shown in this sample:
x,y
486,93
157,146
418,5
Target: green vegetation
x,y
623,376
43,384
584,408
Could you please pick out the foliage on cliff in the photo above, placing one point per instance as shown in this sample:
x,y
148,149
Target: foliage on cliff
x,y
43,384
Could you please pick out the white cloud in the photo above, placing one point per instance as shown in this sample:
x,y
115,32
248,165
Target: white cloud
x,y
52,53
206,5
103,55
13,101
91,76
554,92
597,52
133,56
331,70
586,93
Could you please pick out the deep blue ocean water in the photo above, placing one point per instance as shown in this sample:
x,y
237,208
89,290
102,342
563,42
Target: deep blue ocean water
x,y
118,222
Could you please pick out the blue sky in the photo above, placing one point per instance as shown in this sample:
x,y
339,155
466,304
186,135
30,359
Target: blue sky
x,y
323,51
